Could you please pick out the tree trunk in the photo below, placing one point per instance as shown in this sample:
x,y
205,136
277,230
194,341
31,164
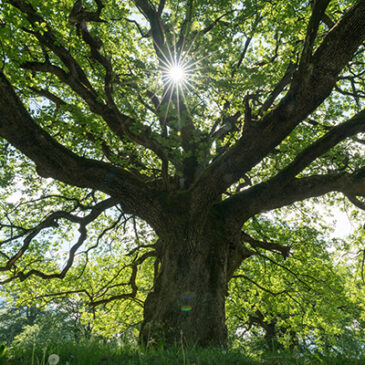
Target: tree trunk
x,y
187,303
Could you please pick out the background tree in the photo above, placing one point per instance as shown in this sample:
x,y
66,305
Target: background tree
x,y
193,117
23,326
309,302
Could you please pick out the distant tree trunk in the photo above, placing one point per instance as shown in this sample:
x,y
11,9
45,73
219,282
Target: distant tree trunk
x,y
271,336
187,304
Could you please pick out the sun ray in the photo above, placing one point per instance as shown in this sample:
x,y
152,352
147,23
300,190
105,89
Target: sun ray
x,y
168,107
187,52
178,109
168,60
165,93
168,49
185,101
189,85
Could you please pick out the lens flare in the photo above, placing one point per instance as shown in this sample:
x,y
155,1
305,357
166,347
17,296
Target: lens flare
x,y
186,308
187,301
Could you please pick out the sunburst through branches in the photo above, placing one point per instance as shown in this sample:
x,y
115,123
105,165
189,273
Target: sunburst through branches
x,y
178,74
179,71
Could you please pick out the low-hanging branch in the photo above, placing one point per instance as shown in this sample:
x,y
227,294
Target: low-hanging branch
x,y
131,283
53,221
287,188
275,194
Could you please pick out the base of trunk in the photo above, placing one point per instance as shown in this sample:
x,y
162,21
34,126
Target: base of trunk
x,y
187,305
184,324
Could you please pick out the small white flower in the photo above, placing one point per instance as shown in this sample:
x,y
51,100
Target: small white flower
x,y
53,359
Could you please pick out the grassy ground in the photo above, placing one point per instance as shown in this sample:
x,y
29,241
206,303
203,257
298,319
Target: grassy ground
x,y
94,353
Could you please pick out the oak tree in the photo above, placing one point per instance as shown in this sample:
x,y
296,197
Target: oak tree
x,y
192,116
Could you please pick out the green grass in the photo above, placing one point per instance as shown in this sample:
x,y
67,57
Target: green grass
x,y
94,353
98,353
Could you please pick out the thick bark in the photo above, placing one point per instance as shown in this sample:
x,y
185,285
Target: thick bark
x,y
187,303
